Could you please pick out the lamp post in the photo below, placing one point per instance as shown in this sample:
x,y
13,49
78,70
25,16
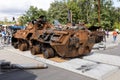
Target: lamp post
x,y
70,16
99,12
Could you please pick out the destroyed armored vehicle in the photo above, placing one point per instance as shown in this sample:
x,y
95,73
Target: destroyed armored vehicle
x,y
40,37
21,39
98,33
67,43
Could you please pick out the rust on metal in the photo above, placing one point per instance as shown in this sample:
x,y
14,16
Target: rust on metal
x,y
67,43
21,39
42,38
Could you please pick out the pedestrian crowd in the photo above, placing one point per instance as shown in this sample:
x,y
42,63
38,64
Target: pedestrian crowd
x,y
5,35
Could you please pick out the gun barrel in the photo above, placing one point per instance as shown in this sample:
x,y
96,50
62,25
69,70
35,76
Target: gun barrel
x,y
8,65
30,66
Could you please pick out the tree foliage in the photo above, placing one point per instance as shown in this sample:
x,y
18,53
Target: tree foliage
x,y
31,14
58,11
82,11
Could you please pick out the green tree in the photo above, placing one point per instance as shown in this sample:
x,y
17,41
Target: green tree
x,y
82,10
58,10
73,6
31,14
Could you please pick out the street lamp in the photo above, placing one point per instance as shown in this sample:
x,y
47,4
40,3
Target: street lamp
x,y
99,12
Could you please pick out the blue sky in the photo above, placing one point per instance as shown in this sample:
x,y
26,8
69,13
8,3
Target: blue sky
x,y
15,8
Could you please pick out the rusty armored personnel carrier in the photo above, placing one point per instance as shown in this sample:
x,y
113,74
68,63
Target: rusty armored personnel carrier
x,y
98,33
40,38
66,43
21,39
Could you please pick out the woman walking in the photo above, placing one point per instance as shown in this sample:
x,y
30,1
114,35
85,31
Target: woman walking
x,y
115,35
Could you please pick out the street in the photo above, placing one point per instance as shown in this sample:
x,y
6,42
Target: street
x,y
51,73
108,65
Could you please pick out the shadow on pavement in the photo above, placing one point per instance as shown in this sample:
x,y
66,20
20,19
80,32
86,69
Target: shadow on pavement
x,y
17,75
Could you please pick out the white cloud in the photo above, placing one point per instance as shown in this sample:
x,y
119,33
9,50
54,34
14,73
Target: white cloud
x,y
15,8
116,3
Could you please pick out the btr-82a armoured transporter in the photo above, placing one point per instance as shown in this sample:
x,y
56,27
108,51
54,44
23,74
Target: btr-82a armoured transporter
x,y
21,39
66,43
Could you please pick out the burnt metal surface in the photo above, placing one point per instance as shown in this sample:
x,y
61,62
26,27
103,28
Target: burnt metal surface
x,y
66,43
98,33
40,37
73,44
21,39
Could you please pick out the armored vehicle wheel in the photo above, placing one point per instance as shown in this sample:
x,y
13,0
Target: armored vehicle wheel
x,y
87,49
15,45
35,50
49,53
23,46
81,50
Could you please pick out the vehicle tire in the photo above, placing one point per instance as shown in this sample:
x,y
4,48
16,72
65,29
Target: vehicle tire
x,y
81,50
35,50
49,53
15,45
23,46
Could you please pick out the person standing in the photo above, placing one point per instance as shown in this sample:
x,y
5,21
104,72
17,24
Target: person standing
x,y
115,35
3,36
107,34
